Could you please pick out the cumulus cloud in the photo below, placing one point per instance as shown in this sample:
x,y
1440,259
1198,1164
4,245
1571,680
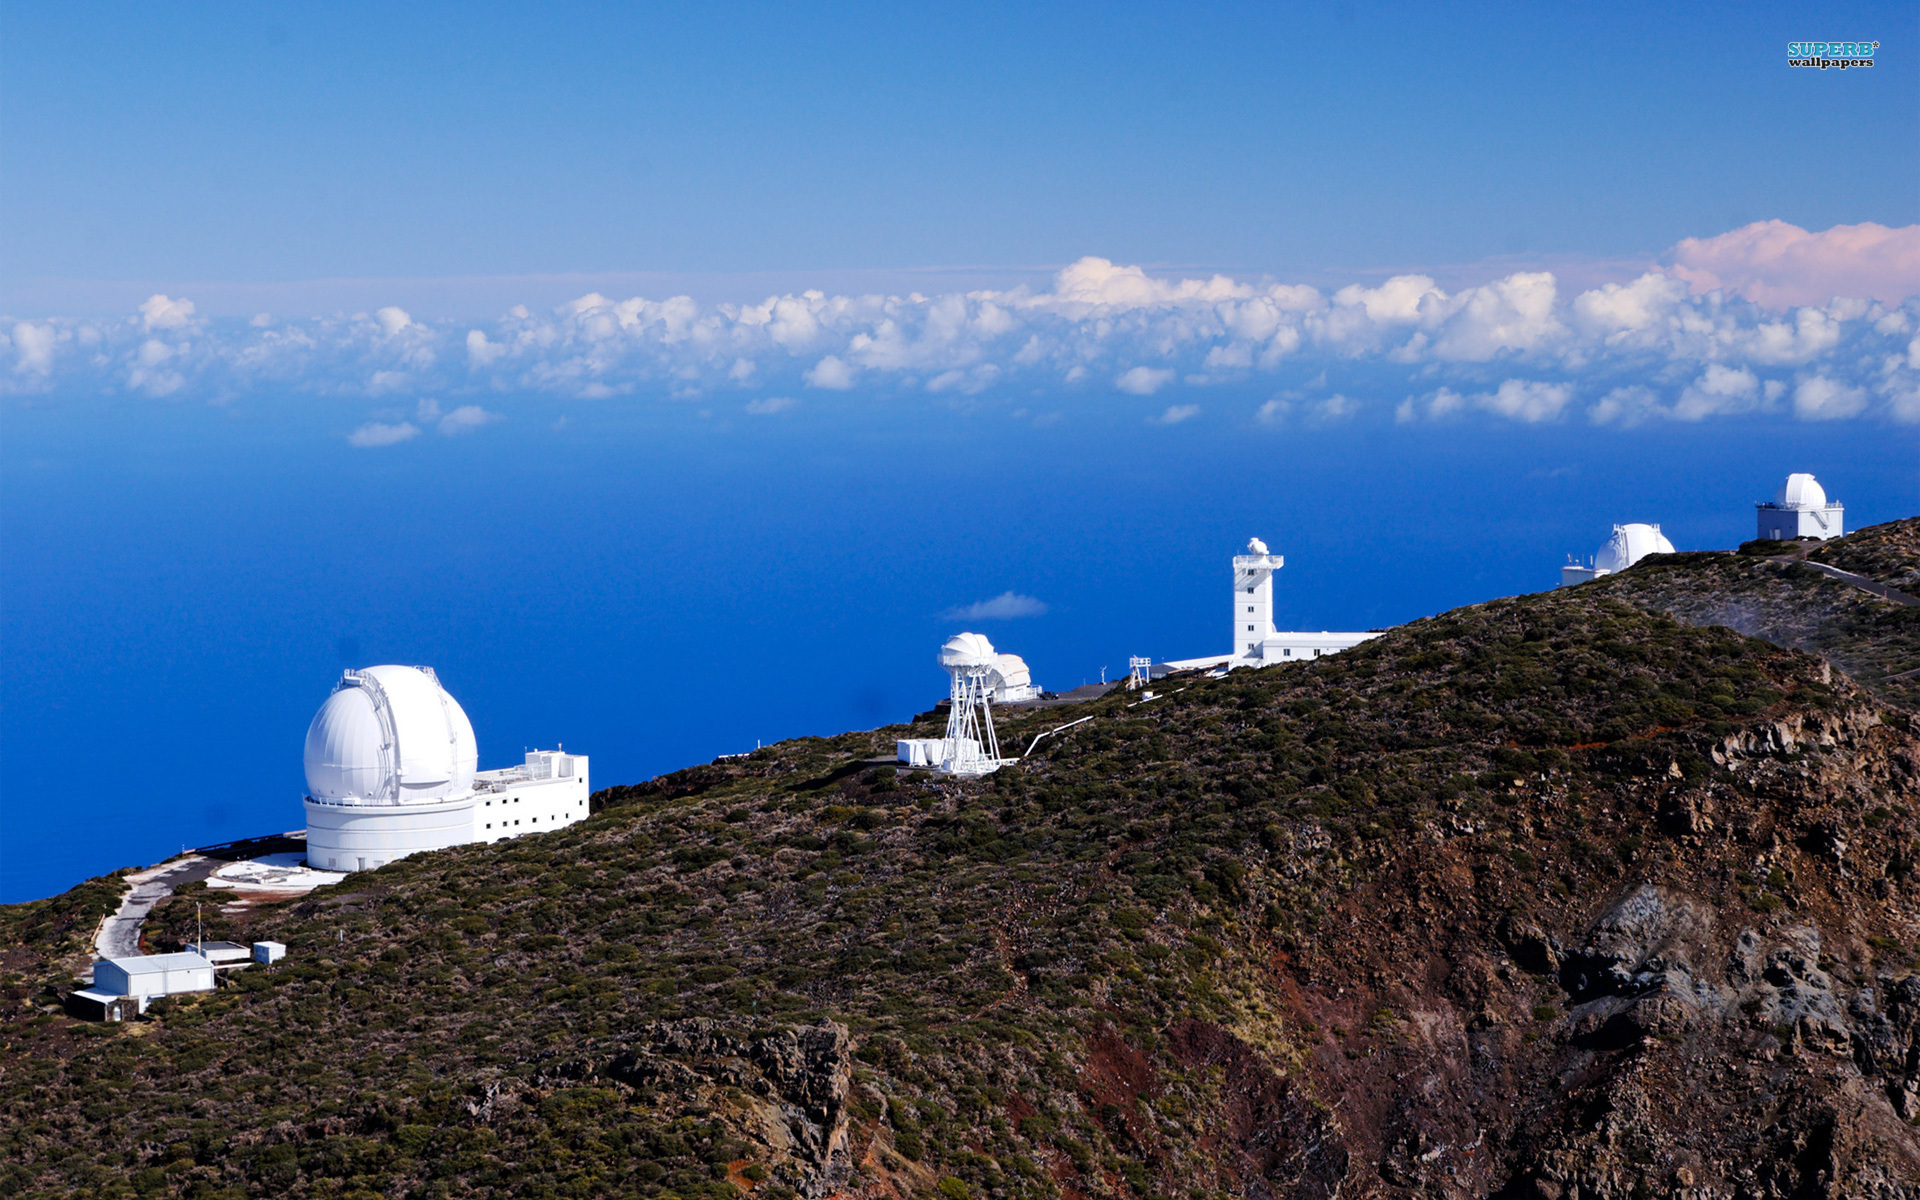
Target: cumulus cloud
x,y
770,405
1177,413
1778,265
1519,348
466,419
830,372
33,348
1526,400
374,433
481,352
159,312
1143,381
1004,607
1818,398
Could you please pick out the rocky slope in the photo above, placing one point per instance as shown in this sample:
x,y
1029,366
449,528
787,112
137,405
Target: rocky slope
x,y
1548,897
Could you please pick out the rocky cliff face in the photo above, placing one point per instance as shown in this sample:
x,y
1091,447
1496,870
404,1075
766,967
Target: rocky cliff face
x,y
1549,897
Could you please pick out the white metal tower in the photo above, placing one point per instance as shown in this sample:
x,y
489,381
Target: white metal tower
x,y
1139,673
973,748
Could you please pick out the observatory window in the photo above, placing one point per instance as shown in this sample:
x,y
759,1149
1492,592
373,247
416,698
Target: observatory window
x,y
1249,629
1249,591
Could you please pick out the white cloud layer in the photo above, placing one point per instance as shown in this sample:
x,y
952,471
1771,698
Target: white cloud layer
x,y
1720,333
1777,264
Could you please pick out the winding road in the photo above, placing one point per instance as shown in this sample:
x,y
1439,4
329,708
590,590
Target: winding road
x,y
119,934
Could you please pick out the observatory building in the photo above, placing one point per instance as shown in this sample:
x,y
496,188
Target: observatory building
x,y
1800,509
390,761
1256,643
1628,545
980,676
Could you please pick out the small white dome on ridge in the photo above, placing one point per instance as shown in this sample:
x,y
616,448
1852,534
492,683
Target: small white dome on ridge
x,y
1256,546
1801,490
1628,545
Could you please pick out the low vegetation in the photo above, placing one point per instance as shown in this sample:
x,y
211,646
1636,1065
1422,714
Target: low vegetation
x,y
1548,896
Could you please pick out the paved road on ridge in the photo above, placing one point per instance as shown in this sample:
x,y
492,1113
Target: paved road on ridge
x,y
120,933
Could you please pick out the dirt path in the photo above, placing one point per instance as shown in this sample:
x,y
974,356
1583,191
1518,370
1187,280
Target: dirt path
x,y
120,933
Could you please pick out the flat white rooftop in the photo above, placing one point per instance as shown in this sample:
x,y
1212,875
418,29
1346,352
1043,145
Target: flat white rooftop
x,y
151,964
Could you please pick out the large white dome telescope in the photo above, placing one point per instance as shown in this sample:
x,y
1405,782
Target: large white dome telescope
x,y
390,735
391,771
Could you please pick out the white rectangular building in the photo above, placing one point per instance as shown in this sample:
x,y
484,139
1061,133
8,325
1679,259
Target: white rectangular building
x,y
146,977
548,791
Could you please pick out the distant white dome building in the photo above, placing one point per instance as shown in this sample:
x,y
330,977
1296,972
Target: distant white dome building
x,y
390,763
1628,545
1010,679
1800,509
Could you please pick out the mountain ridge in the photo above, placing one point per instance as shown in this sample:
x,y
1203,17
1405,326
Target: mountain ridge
x,y
1551,896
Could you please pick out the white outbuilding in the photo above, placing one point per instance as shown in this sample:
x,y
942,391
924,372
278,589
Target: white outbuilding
x,y
147,977
1800,509
390,764
1628,545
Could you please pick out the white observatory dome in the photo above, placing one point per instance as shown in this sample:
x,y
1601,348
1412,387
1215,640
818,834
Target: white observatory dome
x,y
1009,673
1801,491
390,735
1628,545
967,650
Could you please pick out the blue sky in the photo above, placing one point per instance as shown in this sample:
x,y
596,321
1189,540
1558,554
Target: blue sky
x,y
672,379
218,143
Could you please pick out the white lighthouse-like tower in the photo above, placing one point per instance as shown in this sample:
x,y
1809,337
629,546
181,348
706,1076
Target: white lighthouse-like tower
x,y
1253,597
1256,643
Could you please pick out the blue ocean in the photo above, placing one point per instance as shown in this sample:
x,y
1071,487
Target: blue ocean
x,y
653,584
